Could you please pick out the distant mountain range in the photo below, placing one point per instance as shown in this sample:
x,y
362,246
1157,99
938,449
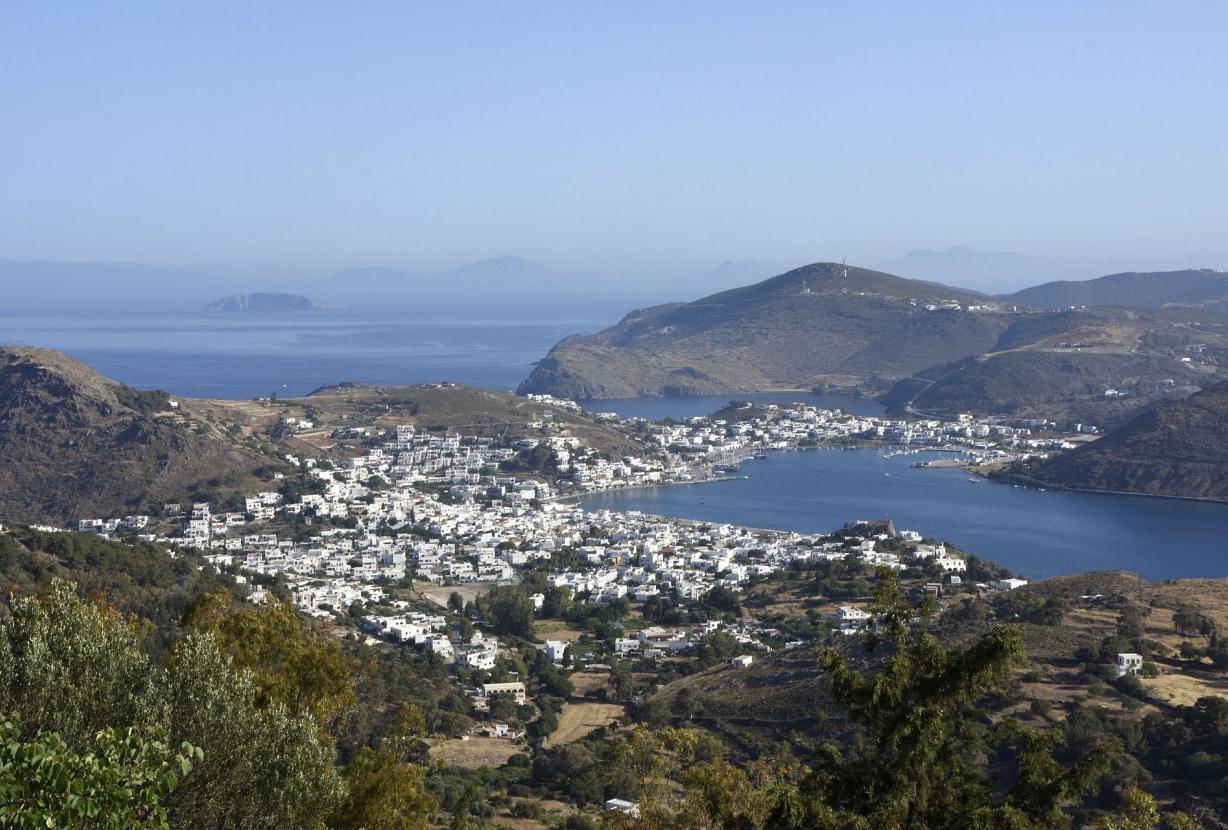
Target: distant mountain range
x,y
1201,287
1176,449
59,287
267,301
963,265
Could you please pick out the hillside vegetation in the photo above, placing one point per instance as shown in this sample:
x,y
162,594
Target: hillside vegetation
x,y
73,443
1177,449
1193,287
822,323
1096,366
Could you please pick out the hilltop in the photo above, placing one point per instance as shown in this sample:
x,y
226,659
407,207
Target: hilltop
x,y
266,301
1191,287
73,443
822,323
1175,449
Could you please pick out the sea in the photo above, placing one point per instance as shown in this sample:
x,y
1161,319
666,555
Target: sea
x,y
1037,534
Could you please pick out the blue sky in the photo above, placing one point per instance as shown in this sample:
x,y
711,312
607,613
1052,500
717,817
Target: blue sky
x,y
611,138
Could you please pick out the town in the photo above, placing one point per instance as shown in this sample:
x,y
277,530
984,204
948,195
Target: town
x,y
388,537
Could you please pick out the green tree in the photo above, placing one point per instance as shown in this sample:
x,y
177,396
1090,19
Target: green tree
x,y
510,611
263,767
922,762
72,667
76,669
1187,620
385,793
502,706
303,670
920,710
118,782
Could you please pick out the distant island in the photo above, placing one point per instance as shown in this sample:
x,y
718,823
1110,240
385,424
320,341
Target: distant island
x,y
267,301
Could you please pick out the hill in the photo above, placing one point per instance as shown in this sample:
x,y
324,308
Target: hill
x,y
822,323
439,407
1095,366
1175,449
1192,287
266,301
74,444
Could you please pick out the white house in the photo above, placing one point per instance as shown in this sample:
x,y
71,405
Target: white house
x,y
1010,584
623,806
742,661
1129,663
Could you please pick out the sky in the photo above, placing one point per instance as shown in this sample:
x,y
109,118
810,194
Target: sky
x,y
620,140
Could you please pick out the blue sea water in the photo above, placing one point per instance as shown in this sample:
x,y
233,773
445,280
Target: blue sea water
x,y
1039,534
242,356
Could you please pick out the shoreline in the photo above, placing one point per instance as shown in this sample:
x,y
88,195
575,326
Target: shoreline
x,y
631,487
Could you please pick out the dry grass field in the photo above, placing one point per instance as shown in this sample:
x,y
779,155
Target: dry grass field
x,y
588,682
556,630
578,719
439,594
475,753
1183,689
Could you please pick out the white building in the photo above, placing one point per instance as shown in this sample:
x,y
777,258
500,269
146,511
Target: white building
x,y
1129,663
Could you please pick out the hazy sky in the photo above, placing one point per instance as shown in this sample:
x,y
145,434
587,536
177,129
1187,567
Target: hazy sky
x,y
620,137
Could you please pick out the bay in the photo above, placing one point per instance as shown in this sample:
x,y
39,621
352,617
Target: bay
x,y
1039,534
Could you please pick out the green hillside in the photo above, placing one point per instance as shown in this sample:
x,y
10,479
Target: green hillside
x,y
1176,449
822,323
1196,287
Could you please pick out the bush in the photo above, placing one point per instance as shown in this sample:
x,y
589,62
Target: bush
x,y
1041,708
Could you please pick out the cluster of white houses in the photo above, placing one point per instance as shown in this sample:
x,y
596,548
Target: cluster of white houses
x,y
444,509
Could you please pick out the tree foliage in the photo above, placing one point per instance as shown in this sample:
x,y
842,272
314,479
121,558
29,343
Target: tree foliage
x,y
119,781
303,670
922,761
75,669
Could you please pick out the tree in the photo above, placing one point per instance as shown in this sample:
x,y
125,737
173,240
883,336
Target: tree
x,y
303,670
502,706
385,793
456,603
1187,620
1139,812
921,762
75,668
510,612
557,602
119,782
264,767
72,667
